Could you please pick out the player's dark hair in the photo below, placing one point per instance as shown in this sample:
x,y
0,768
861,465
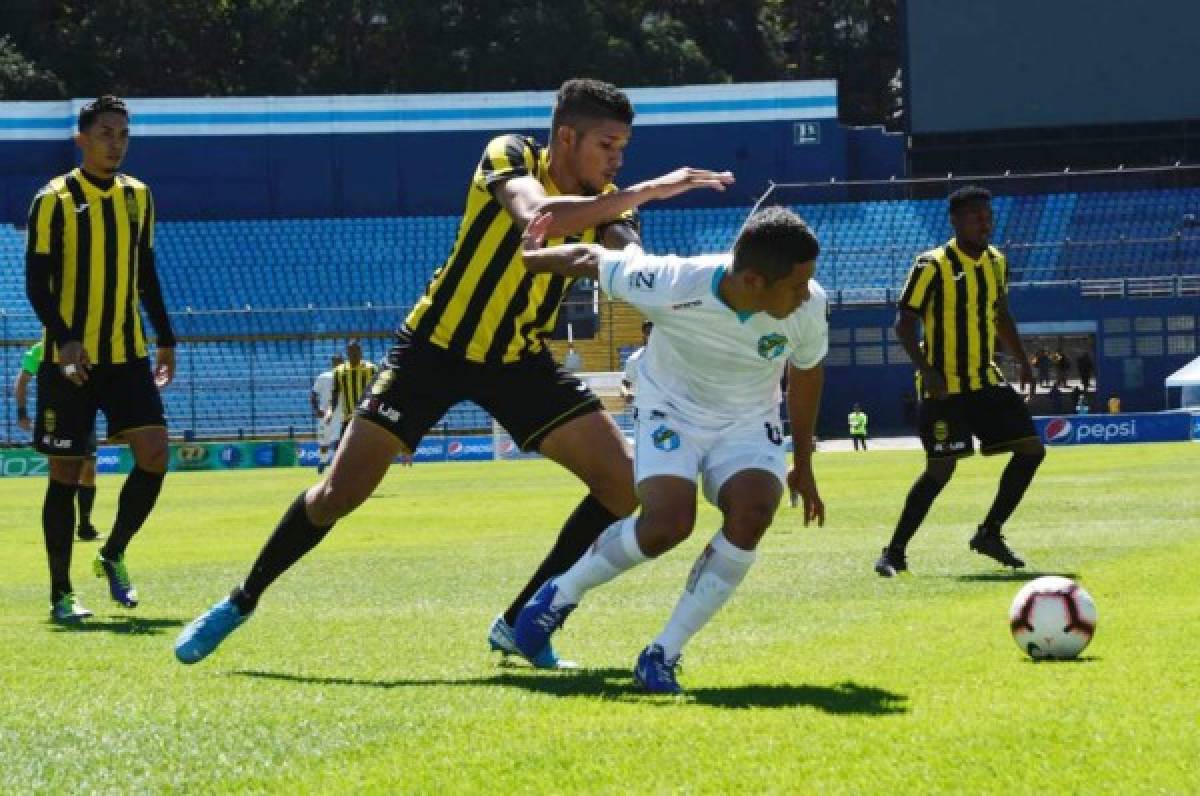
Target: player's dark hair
x,y
647,326
104,104
773,241
966,195
583,99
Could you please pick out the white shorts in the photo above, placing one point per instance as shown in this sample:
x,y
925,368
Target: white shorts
x,y
667,444
329,431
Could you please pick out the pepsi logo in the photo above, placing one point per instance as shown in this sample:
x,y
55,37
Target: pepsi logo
x,y
454,448
1058,429
507,447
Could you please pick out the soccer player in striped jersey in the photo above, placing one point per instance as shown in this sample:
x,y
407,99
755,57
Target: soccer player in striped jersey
x,y
726,327
957,293
350,380
478,334
89,262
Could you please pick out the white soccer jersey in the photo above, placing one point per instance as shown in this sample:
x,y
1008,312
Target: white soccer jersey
x,y
631,367
704,359
323,387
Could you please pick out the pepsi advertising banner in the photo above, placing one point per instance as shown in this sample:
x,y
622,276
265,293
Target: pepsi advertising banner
x,y
431,449
1114,429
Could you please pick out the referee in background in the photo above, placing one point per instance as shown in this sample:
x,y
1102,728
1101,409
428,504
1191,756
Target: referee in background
x,y
89,259
958,294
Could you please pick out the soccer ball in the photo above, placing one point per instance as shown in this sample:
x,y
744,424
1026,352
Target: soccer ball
x,y
1052,618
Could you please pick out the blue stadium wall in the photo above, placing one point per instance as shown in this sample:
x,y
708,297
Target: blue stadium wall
x,y
311,157
1134,340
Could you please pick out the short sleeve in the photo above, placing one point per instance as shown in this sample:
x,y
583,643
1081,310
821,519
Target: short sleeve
x,y
41,222
812,340
643,280
506,156
918,288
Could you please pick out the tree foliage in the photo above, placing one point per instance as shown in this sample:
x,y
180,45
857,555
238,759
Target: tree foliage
x,y
295,47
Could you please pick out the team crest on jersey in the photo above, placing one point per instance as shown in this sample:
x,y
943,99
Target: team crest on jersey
x,y
49,421
771,346
131,207
941,431
665,439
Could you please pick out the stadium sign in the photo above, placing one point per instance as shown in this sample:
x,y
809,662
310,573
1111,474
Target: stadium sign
x,y
17,462
1110,429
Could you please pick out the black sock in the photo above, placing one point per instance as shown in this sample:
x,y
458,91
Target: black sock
x,y
86,495
916,506
133,506
583,527
58,528
294,536
1013,483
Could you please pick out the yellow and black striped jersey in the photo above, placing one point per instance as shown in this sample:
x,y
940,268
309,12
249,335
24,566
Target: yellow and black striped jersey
x,y
482,304
349,383
95,239
956,297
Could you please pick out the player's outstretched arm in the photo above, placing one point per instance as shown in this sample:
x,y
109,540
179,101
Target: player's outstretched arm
x,y
576,260
524,198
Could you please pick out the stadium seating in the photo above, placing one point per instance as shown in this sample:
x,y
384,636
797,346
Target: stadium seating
x,y
307,281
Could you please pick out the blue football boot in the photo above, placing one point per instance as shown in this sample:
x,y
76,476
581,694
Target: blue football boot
x,y
500,639
655,673
205,633
539,619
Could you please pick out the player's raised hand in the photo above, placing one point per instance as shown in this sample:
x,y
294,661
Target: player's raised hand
x,y
687,179
534,236
164,367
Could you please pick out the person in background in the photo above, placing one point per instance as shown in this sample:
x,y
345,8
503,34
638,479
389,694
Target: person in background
x,y
85,492
1114,405
329,421
858,427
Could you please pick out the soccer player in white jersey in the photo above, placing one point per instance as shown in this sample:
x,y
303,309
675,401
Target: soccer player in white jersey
x,y
329,425
725,328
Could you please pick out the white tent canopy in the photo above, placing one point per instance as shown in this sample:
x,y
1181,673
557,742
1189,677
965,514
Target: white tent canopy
x,y
1187,378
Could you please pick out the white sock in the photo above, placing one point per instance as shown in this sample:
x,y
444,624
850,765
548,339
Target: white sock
x,y
614,552
717,572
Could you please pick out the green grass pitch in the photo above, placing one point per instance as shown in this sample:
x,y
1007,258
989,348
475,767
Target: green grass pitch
x,y
365,668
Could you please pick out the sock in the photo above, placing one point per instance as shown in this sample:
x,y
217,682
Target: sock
x,y
587,522
1013,483
138,495
294,536
325,456
717,572
616,551
58,528
86,495
924,491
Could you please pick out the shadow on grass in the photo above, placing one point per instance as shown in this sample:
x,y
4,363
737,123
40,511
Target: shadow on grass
x,y
1006,577
1053,662
131,625
846,698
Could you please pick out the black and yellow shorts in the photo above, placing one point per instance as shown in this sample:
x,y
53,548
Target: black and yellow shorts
x,y
419,382
996,415
65,424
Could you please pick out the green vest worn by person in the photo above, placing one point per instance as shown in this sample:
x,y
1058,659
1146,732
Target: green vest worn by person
x,y
858,423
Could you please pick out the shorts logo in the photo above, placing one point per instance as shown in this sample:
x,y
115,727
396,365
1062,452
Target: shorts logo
x,y
49,420
665,439
941,431
384,382
771,346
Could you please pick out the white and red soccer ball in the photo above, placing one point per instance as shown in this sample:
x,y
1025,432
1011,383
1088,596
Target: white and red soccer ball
x,y
1052,618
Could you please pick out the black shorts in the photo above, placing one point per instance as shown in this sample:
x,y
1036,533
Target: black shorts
x,y
66,413
997,415
420,381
